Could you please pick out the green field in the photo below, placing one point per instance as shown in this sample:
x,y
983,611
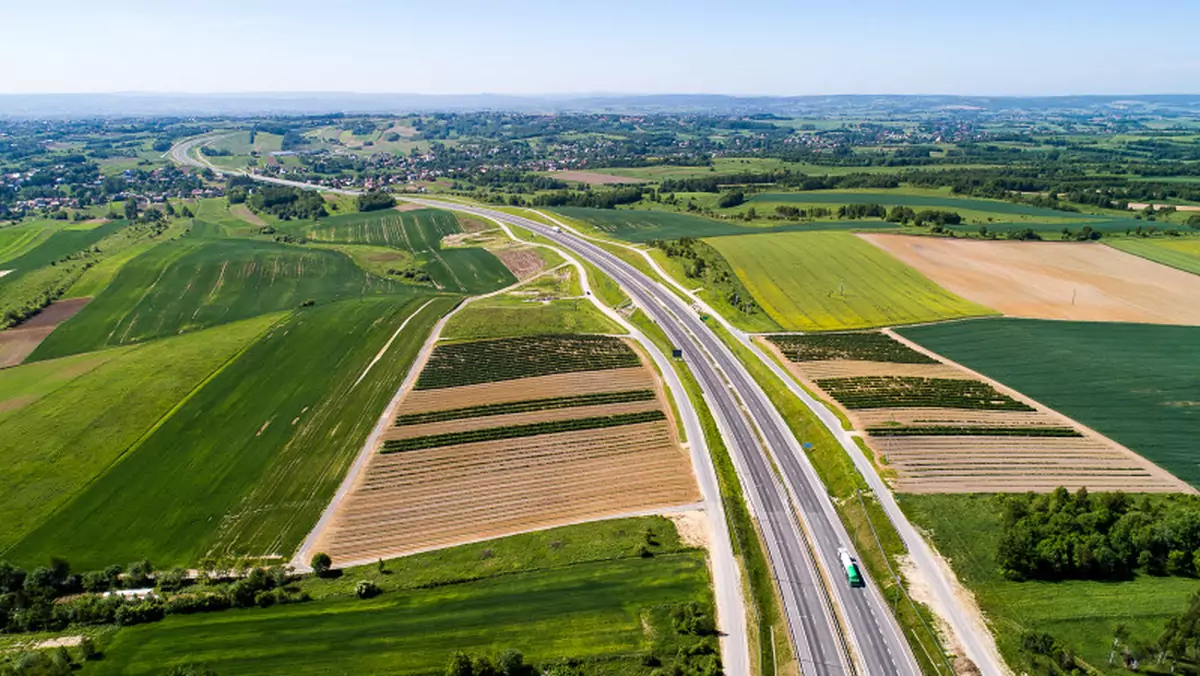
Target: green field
x,y
61,243
195,283
1135,383
1177,253
463,270
245,465
828,281
1082,614
67,420
644,226
573,592
16,240
509,318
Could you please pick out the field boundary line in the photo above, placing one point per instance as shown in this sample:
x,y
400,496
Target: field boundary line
x,y
383,350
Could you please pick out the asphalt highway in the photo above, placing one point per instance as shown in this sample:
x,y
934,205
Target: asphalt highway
x,y
834,628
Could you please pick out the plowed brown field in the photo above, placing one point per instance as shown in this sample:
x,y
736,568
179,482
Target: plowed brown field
x,y
17,343
973,464
412,501
1052,280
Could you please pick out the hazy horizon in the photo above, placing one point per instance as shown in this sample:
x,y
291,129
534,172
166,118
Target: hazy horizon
x,y
538,47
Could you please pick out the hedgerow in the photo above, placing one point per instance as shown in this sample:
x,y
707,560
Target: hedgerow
x,y
906,391
487,361
870,346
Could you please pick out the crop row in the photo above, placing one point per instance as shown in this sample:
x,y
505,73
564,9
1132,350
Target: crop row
x,y
966,431
525,406
857,346
907,391
517,431
488,361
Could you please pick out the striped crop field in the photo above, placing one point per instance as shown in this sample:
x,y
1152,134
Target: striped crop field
x,y
244,465
938,428
1183,254
415,231
825,281
191,284
1135,383
585,435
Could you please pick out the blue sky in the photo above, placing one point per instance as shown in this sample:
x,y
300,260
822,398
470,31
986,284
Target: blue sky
x,y
533,46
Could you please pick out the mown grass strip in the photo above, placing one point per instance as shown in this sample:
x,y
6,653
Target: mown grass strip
x,y
548,404
905,391
517,431
945,431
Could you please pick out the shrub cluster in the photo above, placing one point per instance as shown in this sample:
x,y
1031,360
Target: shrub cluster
x,y
1103,536
872,346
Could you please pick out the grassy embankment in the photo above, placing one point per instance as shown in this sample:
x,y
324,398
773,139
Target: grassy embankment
x,y
878,544
1082,614
579,592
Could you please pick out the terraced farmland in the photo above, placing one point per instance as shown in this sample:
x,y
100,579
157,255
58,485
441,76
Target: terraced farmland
x,y
485,361
191,284
249,460
552,448
824,281
1134,383
938,429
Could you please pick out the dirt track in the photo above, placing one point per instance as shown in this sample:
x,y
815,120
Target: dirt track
x,y
1052,280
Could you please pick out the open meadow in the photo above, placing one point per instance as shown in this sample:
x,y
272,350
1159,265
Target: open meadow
x,y
1083,614
65,422
1134,383
829,281
582,593
1052,280
244,465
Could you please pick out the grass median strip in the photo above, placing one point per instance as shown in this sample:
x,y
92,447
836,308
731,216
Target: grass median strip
x,y
526,406
517,431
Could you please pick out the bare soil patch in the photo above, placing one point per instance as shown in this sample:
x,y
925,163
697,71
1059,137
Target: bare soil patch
x,y
693,526
17,343
412,206
1049,280
523,262
593,177
243,212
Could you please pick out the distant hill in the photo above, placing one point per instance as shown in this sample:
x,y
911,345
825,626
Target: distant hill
x,y
316,103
